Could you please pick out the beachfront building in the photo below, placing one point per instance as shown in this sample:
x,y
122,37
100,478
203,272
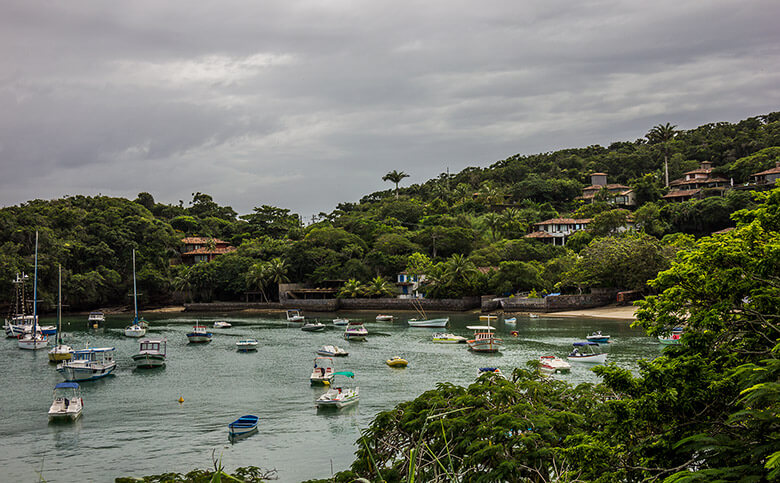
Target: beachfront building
x,y
599,189
409,285
557,230
768,177
697,184
203,249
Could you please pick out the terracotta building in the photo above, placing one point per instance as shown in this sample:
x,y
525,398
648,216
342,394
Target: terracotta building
x,y
694,182
616,194
203,249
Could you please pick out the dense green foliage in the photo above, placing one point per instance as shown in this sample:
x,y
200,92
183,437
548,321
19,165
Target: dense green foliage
x,y
706,410
469,225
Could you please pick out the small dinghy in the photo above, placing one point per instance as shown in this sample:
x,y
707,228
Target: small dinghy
x,y
221,324
429,322
598,337
384,318
553,365
246,345
199,335
315,326
332,351
355,331
397,361
339,397
447,338
322,372
243,425
587,352
67,403
340,322
510,320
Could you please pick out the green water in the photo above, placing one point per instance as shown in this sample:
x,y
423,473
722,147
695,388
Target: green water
x,y
133,425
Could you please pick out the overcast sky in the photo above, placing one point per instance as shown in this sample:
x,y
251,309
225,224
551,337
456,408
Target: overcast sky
x,y
305,104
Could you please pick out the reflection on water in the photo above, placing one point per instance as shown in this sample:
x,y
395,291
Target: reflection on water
x,y
133,424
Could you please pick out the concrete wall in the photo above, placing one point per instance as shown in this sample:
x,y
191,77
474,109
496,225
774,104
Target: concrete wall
x,y
447,305
230,306
558,303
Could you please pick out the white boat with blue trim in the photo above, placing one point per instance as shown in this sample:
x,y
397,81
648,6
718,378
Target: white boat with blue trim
x,y
67,404
89,364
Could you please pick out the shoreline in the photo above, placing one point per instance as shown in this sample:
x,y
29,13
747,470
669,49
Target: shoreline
x,y
622,312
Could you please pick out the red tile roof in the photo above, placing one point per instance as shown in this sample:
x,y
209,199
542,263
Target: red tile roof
x,y
775,170
681,193
206,251
201,240
539,234
564,221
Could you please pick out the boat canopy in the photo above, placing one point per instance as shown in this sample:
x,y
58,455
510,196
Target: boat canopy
x,y
344,373
95,349
67,385
580,344
480,327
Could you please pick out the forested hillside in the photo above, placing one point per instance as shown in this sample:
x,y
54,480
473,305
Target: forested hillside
x,y
445,228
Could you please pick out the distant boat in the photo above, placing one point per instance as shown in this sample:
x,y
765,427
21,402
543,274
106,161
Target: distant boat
x,y
332,351
34,339
492,371
151,354
96,320
199,334
243,425
397,361
447,338
246,345
322,372
339,322
598,337
20,320
429,322
339,397
221,324
553,365
315,326
136,328
88,364
294,315
355,331
488,317
534,316
510,320
67,402
673,338
60,352
484,340
587,352
384,318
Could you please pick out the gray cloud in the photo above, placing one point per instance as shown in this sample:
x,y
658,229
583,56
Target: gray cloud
x,y
307,104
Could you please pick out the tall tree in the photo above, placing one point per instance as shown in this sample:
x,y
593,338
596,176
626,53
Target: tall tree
x,y
662,134
395,177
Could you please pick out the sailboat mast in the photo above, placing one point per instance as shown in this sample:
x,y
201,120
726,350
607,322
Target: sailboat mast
x,y
135,296
35,288
59,307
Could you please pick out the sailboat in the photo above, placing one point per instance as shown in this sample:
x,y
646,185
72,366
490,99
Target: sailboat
x,y
60,352
34,339
136,329
20,319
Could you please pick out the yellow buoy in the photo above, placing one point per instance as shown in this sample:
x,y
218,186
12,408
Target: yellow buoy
x,y
181,399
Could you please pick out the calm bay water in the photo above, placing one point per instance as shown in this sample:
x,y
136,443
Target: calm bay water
x,y
132,424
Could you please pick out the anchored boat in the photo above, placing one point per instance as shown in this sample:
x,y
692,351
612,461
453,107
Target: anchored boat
x,y
429,322
484,339
34,339
243,425
339,397
151,354
332,351
67,403
294,315
88,364
138,327
322,372
447,338
587,352
96,320
199,335
598,337
246,345
553,365
397,361
60,352
355,331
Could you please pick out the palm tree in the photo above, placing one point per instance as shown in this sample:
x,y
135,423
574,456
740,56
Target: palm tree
x,y
395,177
459,269
662,134
378,287
257,276
493,222
352,288
277,271
182,282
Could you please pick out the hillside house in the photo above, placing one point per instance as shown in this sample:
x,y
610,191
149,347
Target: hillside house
x,y
694,182
203,249
557,230
770,176
616,194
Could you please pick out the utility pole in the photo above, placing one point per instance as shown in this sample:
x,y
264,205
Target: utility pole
x,y
434,236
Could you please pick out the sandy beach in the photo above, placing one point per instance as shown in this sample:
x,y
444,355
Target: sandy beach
x,y
627,312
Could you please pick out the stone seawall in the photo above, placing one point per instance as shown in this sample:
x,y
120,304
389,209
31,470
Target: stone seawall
x,y
332,305
231,306
557,303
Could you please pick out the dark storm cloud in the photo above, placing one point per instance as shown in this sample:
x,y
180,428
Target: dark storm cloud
x,y
307,104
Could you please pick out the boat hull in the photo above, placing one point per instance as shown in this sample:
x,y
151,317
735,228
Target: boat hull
x,y
148,361
588,358
246,346
313,328
243,425
61,414
484,345
199,338
85,373
429,323
354,337
60,355
397,362
33,344
333,399
140,332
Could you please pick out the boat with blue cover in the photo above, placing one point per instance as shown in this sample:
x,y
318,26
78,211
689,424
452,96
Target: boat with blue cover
x,y
598,337
243,425
199,335
67,402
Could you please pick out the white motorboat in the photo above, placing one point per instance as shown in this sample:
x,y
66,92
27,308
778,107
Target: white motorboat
x,y
553,365
587,352
151,354
138,327
315,326
322,372
67,403
355,331
598,337
429,322
34,339
510,320
246,345
88,364
221,324
384,318
340,322
60,352
18,325
96,320
339,397
484,339
447,338
533,316
294,315
199,335
332,351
